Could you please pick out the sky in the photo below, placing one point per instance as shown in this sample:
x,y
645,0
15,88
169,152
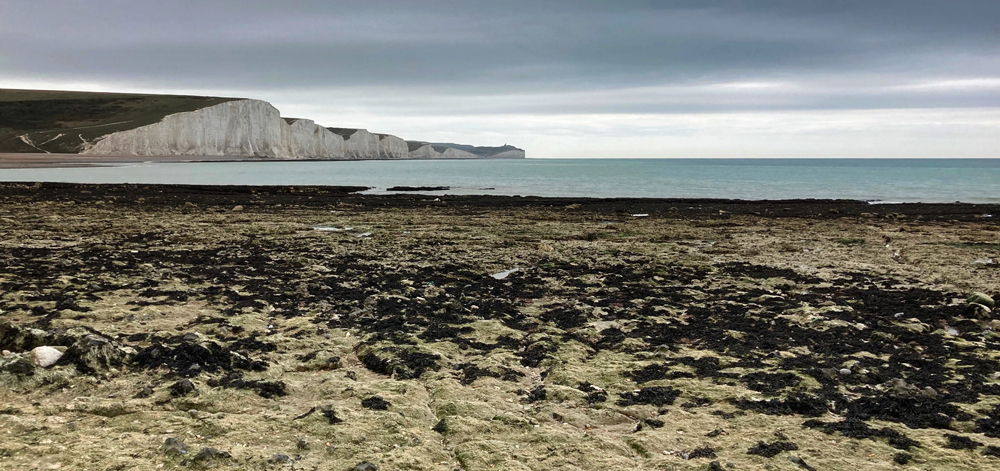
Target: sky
x,y
560,78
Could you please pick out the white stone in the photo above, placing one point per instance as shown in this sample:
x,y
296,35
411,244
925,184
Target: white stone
x,y
45,357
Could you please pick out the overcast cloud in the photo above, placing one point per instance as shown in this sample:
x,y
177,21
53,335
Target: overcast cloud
x,y
697,78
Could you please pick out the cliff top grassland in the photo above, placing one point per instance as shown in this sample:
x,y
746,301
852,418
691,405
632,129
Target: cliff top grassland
x,y
60,121
308,328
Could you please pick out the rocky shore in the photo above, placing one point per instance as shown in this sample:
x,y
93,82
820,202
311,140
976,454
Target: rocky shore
x,y
166,326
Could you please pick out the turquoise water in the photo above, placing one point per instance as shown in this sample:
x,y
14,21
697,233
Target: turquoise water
x,y
885,180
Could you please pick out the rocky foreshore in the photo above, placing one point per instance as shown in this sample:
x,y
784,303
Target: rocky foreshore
x,y
152,327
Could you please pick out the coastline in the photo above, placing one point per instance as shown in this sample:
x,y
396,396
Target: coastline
x,y
27,160
332,327
24,160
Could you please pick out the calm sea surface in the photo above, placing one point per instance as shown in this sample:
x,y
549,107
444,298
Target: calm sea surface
x,y
884,180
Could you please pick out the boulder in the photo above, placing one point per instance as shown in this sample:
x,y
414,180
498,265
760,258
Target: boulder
x,y
45,356
981,299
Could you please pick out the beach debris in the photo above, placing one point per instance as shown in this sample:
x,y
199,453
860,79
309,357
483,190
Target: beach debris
x,y
331,228
505,273
983,261
173,446
640,215
364,235
45,356
981,299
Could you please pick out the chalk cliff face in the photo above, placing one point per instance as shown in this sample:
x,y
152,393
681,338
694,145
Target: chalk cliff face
x,y
304,139
254,128
424,150
241,127
392,147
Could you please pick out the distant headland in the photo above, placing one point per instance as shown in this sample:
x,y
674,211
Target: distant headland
x,y
119,124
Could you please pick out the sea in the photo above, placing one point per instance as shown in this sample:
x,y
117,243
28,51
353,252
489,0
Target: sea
x,y
874,180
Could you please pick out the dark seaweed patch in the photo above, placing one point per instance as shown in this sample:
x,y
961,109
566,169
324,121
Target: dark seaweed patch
x,y
265,389
656,395
855,428
958,442
769,450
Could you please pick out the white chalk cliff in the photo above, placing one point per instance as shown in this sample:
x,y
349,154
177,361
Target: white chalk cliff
x,y
254,128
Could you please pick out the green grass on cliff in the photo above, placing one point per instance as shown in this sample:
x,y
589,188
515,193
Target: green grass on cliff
x,y
60,122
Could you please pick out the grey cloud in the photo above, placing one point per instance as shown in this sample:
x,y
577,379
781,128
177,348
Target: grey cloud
x,y
461,49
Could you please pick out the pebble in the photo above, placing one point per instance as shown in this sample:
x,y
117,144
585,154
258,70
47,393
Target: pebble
x,y
845,371
366,466
45,356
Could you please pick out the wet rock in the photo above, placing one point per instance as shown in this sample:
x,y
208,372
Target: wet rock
x,y
182,388
440,427
207,455
702,452
328,412
91,351
17,365
45,356
375,403
716,466
173,446
981,299
537,394
16,338
993,451
655,423
366,466
144,393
